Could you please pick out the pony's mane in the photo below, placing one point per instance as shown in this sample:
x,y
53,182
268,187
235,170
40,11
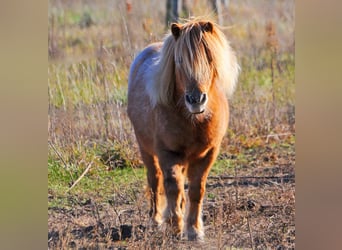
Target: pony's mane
x,y
198,54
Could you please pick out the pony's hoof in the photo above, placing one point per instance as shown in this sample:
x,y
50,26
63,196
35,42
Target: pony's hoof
x,y
195,235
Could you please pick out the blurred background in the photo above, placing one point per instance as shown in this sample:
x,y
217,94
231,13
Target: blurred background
x,y
92,43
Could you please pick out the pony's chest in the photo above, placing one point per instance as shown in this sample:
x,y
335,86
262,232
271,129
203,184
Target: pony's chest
x,y
189,139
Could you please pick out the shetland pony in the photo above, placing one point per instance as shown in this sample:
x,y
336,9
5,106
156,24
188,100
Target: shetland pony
x,y
178,106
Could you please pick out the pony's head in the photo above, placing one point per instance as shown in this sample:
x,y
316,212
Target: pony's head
x,y
195,60
193,64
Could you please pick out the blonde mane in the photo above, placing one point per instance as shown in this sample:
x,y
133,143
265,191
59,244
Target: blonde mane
x,y
198,55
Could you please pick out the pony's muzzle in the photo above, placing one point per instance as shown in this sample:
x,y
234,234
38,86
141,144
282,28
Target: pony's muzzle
x,y
196,99
196,102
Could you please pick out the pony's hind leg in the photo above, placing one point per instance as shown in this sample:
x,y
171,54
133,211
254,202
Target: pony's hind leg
x,y
155,186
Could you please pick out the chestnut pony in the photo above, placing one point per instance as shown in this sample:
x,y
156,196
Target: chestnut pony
x,y
177,103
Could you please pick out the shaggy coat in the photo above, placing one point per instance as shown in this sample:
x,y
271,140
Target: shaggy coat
x,y
178,106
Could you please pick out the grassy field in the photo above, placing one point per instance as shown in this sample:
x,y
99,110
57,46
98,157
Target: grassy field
x,y
96,180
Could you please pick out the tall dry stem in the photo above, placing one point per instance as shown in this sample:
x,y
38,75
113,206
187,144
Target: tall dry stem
x,y
273,46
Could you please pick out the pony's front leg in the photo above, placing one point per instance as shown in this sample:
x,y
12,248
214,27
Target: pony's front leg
x,y
197,174
174,189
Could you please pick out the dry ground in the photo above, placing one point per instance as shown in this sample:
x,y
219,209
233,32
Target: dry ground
x,y
249,207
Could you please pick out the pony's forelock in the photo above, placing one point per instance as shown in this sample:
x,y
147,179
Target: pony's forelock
x,y
197,54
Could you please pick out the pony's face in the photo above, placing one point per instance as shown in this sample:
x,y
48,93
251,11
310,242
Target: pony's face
x,y
194,72
195,94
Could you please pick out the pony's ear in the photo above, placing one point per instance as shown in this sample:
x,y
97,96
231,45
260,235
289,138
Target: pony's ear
x,y
176,30
207,26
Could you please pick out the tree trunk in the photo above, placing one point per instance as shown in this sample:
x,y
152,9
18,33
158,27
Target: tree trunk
x,y
171,11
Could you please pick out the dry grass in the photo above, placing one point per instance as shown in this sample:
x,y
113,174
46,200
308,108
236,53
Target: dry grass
x,y
250,192
249,206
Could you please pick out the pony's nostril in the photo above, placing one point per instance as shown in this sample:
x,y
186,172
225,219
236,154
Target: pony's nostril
x,y
203,98
188,98
198,99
